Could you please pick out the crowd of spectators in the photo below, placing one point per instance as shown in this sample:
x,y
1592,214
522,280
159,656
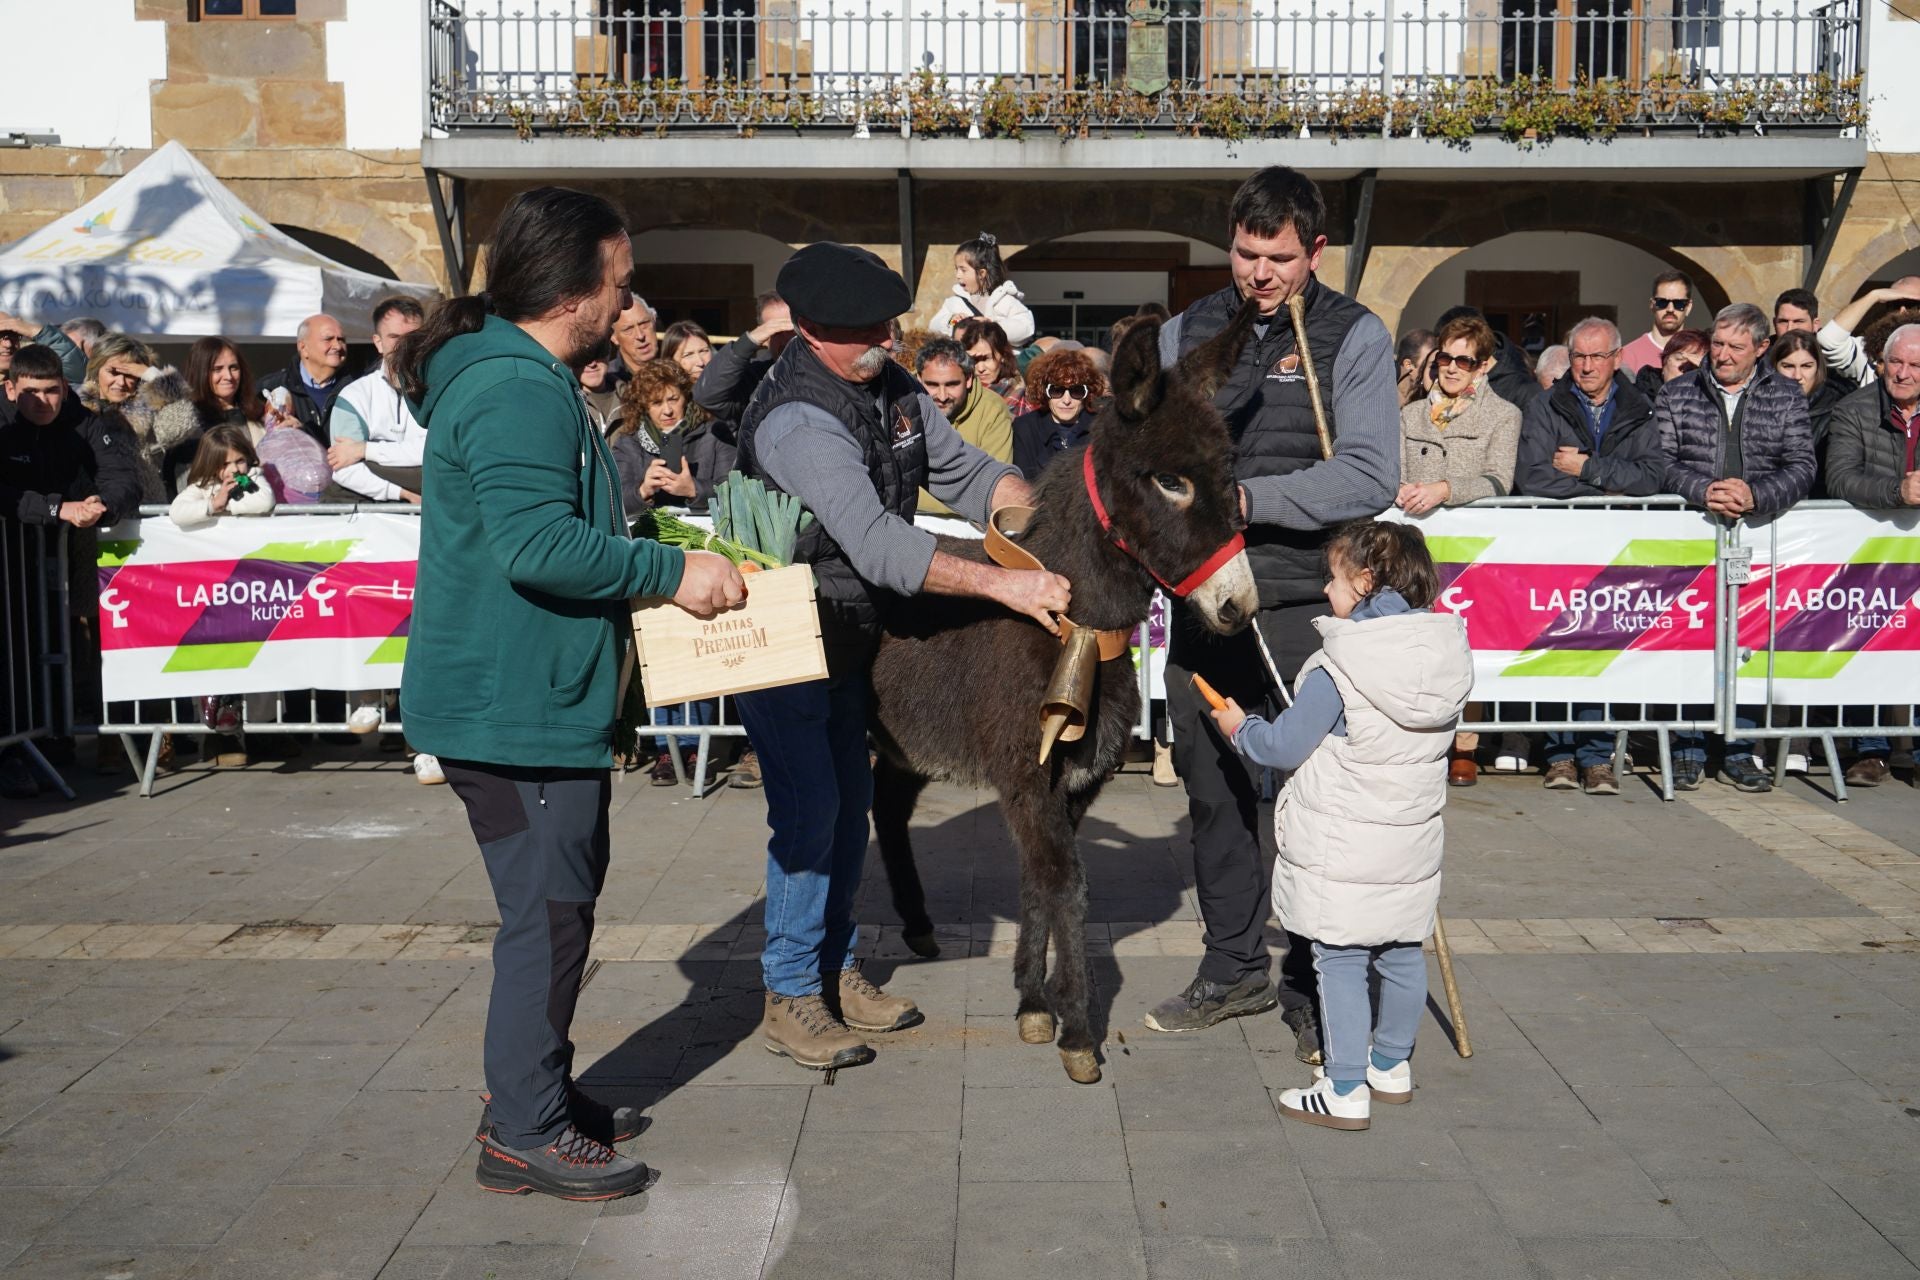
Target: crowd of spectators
x,y
1742,416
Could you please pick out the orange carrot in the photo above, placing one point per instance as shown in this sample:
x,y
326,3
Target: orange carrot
x,y
1206,691
748,566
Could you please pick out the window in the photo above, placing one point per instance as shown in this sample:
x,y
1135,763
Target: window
x,y
210,9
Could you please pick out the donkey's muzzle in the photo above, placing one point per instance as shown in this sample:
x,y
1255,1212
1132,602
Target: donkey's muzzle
x,y
1226,601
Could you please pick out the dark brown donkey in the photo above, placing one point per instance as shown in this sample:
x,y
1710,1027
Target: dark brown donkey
x,y
958,684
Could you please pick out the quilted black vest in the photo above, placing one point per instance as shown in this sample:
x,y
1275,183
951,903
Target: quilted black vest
x,y
1270,417
884,419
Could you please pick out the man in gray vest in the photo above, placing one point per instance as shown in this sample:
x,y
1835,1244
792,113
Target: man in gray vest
x,y
1292,498
840,426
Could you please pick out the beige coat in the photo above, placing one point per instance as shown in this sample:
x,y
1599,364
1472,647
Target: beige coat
x,y
1359,823
1474,454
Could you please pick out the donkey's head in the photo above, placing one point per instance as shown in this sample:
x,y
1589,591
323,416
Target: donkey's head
x,y
1164,468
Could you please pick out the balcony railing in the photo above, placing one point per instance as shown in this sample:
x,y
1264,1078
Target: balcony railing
x,y
1218,68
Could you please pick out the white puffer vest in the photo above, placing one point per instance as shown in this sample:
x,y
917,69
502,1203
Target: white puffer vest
x,y
1359,823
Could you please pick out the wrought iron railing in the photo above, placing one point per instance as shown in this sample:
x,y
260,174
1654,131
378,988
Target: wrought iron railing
x,y
1226,68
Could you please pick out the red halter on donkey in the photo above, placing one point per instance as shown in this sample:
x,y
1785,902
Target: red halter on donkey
x,y
957,682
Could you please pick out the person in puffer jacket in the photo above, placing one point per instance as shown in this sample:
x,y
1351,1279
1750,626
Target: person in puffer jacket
x,y
981,288
1358,824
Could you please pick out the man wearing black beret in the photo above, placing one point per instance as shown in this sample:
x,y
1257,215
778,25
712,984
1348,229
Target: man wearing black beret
x,y
840,426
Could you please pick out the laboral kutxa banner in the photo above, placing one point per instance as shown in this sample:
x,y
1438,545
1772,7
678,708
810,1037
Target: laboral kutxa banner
x,y
255,606
1833,612
1580,604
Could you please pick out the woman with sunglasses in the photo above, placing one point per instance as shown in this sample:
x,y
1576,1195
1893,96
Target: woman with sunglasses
x,y
1457,443
1060,382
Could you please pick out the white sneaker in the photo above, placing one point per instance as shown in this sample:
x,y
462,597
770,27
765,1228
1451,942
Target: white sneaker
x,y
1509,764
364,720
426,769
1319,1104
1796,762
1394,1087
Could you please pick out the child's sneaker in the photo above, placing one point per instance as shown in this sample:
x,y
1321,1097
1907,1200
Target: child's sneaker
x,y
365,719
1394,1087
1319,1104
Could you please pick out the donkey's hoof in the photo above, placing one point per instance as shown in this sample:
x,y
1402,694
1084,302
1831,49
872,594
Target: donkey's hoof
x,y
1082,1066
1036,1027
921,944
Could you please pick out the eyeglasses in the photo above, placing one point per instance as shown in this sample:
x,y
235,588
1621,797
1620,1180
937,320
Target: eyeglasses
x,y
1672,304
1079,391
1442,360
1590,356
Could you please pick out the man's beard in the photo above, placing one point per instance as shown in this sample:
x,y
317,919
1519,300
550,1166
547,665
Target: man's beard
x,y
869,364
591,334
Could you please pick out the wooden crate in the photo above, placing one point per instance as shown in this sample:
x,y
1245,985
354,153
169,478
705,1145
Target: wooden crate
x,y
772,639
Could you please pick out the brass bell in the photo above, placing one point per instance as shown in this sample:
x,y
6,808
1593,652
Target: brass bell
x,y
1063,712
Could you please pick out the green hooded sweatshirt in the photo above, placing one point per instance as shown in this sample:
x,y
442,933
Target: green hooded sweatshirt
x,y
520,617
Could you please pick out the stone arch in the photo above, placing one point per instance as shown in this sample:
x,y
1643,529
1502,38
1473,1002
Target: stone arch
x,y
1115,271
1610,276
1733,249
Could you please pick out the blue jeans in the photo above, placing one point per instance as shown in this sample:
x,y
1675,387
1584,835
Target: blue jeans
x,y
1347,1026
1586,749
702,712
812,740
1692,747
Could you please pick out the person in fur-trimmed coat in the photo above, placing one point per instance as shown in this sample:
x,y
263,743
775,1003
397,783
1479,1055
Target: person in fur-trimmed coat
x,y
126,385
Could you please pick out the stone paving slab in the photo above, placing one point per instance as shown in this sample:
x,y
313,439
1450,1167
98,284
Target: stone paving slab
x,y
240,1036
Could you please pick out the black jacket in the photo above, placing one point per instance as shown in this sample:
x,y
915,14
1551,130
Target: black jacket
x,y
1866,455
1626,460
73,457
1511,377
709,448
1032,431
312,413
731,377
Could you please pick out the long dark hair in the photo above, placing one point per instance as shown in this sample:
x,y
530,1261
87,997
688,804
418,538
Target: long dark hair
x,y
211,458
974,329
1397,554
983,254
546,251
1797,340
246,398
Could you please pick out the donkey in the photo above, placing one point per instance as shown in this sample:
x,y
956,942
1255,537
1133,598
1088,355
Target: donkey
x,y
958,684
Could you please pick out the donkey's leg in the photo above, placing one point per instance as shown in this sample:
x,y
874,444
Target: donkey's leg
x,y
1030,963
1070,986
1054,901
896,792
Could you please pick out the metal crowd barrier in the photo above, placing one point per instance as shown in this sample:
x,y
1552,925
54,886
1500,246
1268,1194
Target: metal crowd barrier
x,y
36,639
40,691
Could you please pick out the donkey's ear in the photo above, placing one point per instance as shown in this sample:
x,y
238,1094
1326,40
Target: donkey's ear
x,y
1139,384
1208,365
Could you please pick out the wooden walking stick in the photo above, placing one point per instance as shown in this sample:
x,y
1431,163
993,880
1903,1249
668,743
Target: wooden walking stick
x,y
1454,1011
1297,312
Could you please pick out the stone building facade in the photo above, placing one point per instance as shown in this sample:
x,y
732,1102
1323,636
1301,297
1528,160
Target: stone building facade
x,y
320,123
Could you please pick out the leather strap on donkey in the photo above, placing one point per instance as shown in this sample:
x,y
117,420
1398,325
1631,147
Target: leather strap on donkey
x,y
1063,712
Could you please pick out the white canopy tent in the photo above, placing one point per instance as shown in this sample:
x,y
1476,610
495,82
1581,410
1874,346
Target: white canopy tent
x,y
167,252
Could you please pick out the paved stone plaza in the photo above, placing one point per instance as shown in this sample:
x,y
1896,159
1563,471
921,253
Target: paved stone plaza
x,y
240,1027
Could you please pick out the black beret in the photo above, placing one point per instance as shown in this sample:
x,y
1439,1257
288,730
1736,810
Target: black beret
x,y
842,287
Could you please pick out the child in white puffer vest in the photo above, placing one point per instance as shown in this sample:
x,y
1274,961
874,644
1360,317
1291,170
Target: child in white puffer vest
x,y
1358,824
981,288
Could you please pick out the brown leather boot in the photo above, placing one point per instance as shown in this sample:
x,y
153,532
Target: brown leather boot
x,y
865,1007
804,1029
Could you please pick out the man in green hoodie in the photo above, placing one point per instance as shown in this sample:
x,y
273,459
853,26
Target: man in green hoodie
x,y
517,647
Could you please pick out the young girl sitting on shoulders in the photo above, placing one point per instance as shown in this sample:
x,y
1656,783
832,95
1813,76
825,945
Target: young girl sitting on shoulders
x,y
981,288
1358,823
223,481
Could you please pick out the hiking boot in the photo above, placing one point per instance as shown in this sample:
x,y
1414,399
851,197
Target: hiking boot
x,y
1319,1104
604,1124
865,1007
1205,1003
804,1029
1868,771
571,1167
1306,1034
745,775
1598,780
1743,773
1562,775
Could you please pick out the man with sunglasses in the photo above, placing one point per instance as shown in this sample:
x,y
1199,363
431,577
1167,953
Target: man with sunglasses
x,y
1671,304
1292,499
